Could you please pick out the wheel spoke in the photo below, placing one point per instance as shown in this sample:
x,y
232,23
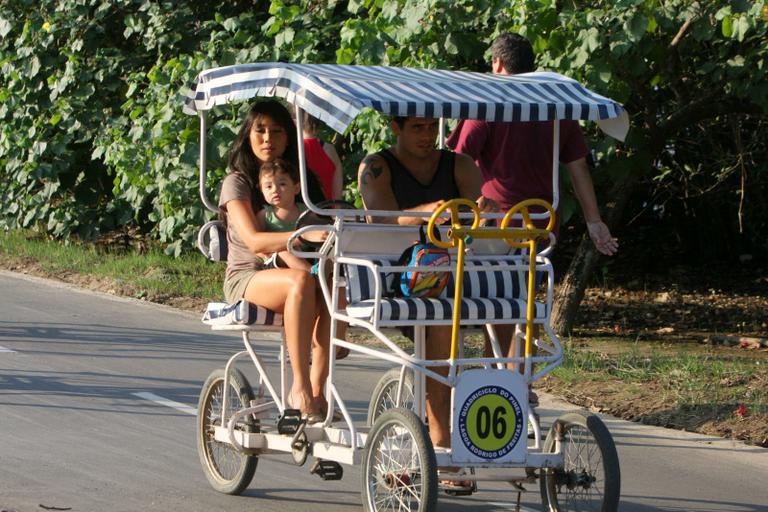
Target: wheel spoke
x,y
394,472
228,469
582,484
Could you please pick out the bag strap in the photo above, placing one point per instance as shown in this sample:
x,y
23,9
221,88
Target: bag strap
x,y
404,258
423,234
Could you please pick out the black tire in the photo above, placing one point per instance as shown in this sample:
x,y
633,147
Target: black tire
x,y
590,479
385,394
399,467
228,470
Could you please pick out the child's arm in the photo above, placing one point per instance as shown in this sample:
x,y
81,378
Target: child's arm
x,y
292,261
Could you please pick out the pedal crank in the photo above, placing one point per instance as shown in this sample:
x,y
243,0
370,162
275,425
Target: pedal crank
x,y
300,447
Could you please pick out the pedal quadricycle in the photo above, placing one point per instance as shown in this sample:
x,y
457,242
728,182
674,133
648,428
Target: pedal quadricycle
x,y
496,262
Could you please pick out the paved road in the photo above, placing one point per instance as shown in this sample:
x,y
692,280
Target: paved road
x,y
79,428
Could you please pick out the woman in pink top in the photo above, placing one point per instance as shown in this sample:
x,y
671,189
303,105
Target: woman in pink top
x,y
322,159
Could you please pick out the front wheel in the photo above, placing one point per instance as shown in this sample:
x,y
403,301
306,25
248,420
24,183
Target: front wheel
x,y
227,469
384,395
590,479
399,467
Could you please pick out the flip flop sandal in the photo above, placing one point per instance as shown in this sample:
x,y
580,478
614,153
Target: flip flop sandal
x,y
309,417
456,487
337,416
341,352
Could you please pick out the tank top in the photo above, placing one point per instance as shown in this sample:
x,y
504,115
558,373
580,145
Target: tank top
x,y
410,192
321,164
274,224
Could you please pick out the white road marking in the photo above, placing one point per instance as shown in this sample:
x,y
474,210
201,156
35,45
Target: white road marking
x,y
7,350
168,403
509,506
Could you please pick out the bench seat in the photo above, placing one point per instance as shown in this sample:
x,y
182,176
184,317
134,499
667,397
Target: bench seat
x,y
494,291
397,311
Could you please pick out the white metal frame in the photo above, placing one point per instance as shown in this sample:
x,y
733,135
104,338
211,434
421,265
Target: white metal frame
x,y
344,445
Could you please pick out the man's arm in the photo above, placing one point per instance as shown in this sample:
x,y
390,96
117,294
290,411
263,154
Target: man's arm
x,y
585,193
375,184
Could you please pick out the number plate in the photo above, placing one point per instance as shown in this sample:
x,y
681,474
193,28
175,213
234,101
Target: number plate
x,y
490,417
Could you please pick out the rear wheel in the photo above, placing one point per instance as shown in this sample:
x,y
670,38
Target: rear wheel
x,y
227,469
590,479
384,395
399,468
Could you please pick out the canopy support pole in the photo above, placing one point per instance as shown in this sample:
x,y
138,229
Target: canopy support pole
x,y
555,164
203,161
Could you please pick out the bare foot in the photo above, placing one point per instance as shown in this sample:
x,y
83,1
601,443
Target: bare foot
x,y
303,402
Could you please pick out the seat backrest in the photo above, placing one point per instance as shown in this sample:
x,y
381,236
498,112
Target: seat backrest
x,y
360,280
212,241
485,281
488,281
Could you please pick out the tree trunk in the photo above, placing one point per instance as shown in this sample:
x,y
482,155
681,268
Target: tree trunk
x,y
570,291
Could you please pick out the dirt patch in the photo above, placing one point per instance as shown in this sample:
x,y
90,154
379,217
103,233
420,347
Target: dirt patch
x,y
653,404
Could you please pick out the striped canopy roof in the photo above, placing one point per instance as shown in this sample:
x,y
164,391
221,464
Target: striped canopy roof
x,y
336,94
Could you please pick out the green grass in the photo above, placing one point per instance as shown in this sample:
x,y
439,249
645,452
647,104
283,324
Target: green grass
x,y
149,274
692,375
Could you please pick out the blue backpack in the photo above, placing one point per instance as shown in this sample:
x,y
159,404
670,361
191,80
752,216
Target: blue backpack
x,y
422,283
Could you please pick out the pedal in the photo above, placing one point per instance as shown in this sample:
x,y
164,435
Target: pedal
x,y
288,423
327,469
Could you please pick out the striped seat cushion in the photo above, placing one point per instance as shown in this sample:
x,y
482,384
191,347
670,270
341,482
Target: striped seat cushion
x,y
399,310
488,294
480,280
241,313
360,282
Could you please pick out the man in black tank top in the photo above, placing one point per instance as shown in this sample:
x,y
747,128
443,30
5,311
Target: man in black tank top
x,y
414,176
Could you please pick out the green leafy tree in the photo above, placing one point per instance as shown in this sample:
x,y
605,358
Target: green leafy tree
x,y
93,137
682,69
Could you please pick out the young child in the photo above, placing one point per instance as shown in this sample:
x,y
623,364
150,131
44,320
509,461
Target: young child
x,y
279,184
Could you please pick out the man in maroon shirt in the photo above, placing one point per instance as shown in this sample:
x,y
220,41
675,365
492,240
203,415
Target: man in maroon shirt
x,y
515,158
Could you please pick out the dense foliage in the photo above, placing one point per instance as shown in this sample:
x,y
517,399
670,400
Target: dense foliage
x,y
92,136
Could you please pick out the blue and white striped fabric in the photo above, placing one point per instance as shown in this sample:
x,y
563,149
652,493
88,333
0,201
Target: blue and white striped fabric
x,y
400,311
488,295
336,94
481,279
241,313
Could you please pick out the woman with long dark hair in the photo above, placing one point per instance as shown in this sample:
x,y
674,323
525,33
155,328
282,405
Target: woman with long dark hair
x,y
268,133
